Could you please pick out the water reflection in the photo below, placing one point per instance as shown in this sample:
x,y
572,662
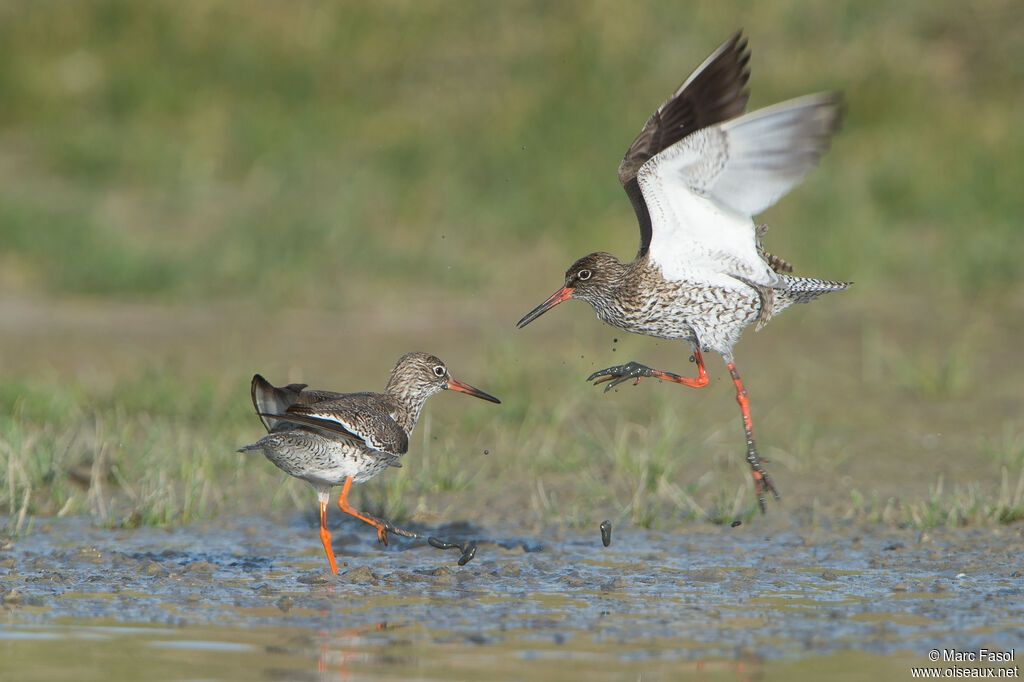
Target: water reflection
x,y
721,604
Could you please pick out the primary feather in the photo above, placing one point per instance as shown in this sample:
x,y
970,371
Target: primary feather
x,y
703,191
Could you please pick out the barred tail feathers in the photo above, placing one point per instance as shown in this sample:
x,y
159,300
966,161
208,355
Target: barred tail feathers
x,y
806,289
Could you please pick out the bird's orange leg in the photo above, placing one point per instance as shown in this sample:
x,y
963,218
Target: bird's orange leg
x,y
762,481
634,370
325,536
700,381
381,526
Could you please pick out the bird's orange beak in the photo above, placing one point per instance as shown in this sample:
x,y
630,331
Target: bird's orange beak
x,y
563,294
456,385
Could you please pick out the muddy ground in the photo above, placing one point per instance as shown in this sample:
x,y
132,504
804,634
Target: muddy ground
x,y
796,594
251,598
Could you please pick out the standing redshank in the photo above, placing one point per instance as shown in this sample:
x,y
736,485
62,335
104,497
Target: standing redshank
x,y
331,439
696,174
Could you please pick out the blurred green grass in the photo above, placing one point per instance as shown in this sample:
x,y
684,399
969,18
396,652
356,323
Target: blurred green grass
x,y
183,150
452,159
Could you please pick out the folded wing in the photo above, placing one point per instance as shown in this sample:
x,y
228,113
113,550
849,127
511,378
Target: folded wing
x,y
378,430
363,417
270,400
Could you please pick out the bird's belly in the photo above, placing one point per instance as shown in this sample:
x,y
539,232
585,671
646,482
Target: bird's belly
x,y
318,459
709,315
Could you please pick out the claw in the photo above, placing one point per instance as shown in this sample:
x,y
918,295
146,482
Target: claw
x,y
467,554
468,549
439,544
619,373
762,481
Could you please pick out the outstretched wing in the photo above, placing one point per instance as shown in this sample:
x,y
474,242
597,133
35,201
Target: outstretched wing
x,y
703,191
714,92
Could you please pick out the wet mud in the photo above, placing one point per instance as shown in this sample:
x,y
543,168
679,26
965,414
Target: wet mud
x,y
253,599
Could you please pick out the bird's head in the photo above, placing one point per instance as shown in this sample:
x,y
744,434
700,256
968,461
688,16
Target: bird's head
x,y
425,374
588,279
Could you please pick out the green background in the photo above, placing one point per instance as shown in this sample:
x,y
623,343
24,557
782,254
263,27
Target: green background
x,y
191,192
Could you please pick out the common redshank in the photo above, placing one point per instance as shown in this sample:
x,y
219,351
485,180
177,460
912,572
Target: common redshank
x,y
331,439
696,175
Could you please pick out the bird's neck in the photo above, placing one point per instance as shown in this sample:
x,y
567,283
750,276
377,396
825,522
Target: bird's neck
x,y
408,405
612,302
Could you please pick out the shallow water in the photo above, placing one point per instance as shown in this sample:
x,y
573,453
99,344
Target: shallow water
x,y
252,599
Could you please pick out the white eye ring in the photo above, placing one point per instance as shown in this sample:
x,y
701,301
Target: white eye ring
x,y
439,370
583,275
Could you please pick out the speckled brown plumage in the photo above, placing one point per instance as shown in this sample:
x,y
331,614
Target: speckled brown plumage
x,y
697,173
330,439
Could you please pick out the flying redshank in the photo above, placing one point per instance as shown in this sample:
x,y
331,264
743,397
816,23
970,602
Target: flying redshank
x,y
331,439
696,174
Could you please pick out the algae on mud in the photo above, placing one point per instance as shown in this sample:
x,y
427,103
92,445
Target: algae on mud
x,y
233,600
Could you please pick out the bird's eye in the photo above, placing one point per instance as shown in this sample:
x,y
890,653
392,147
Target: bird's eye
x,y
583,275
439,370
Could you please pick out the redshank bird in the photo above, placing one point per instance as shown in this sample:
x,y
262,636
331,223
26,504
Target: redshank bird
x,y
696,175
331,439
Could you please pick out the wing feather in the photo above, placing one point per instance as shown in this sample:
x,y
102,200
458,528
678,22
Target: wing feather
x,y
714,92
364,417
378,430
270,400
703,191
